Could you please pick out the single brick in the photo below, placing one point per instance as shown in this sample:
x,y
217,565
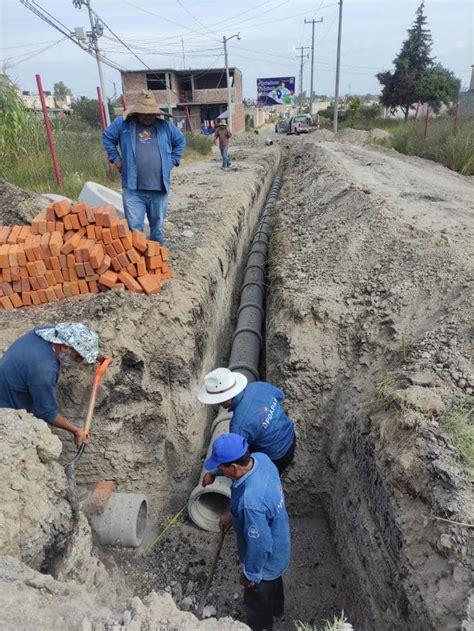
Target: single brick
x,y
83,286
58,290
118,246
108,278
93,287
105,265
62,207
141,267
26,298
129,282
150,284
6,303
16,300
35,298
139,241
50,294
75,288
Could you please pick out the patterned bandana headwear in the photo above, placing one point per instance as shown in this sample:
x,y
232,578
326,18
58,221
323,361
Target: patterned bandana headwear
x,y
73,334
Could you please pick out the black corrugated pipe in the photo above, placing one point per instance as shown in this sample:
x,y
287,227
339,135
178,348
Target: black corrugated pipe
x,y
206,504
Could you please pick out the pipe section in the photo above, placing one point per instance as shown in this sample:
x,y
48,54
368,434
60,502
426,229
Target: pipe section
x,y
123,521
206,504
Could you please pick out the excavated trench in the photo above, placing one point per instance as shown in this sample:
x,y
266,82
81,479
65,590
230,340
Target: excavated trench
x,y
362,485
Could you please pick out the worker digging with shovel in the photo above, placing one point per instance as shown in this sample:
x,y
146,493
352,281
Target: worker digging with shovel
x,y
29,370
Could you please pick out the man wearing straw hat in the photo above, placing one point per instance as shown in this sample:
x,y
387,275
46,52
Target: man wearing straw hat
x,y
149,148
223,135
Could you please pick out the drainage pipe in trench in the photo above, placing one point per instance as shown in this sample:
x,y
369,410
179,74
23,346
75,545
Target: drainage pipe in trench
x,y
206,504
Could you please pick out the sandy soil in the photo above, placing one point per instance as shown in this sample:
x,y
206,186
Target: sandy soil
x,y
369,331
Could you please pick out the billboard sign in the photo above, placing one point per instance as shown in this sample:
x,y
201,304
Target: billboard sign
x,y
276,91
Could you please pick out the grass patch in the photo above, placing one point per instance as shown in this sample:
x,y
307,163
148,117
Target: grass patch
x,y
198,143
338,623
385,390
458,424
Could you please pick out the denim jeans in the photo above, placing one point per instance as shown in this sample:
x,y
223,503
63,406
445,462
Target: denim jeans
x,y
225,157
153,204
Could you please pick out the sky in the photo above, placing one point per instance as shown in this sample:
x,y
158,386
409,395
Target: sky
x,y
270,32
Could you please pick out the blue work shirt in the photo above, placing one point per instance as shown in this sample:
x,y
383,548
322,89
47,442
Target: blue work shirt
x,y
260,521
170,143
29,372
149,171
261,420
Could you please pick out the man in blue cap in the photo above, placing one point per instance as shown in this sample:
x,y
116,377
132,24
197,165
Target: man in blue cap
x,y
257,414
29,370
260,521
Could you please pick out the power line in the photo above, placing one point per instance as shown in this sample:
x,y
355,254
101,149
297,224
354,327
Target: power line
x,y
31,54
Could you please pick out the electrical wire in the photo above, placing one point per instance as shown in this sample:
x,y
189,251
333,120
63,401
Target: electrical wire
x,y
32,54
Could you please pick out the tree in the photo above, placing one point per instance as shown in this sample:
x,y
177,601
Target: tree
x,y
437,86
413,60
60,90
354,108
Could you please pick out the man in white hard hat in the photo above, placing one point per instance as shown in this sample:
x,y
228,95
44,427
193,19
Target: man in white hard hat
x,y
257,414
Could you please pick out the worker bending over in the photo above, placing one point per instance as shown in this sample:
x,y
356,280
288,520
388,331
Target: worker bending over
x,y
257,414
29,370
260,521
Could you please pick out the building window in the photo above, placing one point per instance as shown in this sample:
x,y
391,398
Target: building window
x,y
156,81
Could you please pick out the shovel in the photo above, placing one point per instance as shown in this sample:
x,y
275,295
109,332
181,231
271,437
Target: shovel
x,y
212,569
69,468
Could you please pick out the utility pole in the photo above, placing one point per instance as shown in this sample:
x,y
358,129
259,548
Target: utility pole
x,y
93,35
338,67
302,48
227,74
313,22
184,60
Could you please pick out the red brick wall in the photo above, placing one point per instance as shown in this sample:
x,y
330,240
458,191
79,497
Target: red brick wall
x,y
134,83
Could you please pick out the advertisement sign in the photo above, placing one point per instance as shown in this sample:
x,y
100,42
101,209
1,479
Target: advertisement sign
x,y
276,91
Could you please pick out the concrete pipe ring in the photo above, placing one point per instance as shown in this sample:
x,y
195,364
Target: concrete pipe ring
x,y
123,522
207,504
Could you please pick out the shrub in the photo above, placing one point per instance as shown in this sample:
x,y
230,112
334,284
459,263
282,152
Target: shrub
x,y
199,143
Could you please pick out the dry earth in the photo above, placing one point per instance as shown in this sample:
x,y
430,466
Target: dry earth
x,y
369,331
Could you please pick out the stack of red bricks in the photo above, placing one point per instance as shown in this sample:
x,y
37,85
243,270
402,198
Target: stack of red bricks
x,y
73,249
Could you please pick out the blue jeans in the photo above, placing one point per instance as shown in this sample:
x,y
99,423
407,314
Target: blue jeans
x,y
153,204
225,157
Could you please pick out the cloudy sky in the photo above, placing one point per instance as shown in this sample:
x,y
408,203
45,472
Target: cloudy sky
x,y
270,31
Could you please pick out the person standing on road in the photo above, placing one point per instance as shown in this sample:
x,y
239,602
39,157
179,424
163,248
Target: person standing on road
x,y
223,135
149,148
29,370
257,414
260,521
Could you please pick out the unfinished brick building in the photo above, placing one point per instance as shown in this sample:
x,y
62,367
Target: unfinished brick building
x,y
195,97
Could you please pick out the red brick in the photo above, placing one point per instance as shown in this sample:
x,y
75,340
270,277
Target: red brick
x,y
129,282
62,208
108,278
150,284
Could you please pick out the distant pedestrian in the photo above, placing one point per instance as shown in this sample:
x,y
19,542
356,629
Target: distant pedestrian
x,y
257,413
223,135
260,521
149,148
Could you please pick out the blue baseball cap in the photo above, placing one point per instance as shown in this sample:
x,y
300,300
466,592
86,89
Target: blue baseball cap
x,y
226,448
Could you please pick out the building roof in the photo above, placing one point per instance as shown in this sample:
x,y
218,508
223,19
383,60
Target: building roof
x,y
180,72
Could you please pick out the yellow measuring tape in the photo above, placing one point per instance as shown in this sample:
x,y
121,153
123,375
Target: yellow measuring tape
x,y
172,521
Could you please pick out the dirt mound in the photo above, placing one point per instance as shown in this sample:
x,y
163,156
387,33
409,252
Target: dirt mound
x,y
353,136
35,517
370,336
18,206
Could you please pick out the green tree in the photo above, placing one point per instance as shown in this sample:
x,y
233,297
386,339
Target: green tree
x,y
88,110
354,108
399,86
60,90
437,86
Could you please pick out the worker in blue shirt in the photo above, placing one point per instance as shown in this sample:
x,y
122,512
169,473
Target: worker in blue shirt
x,y
29,370
257,414
149,148
260,521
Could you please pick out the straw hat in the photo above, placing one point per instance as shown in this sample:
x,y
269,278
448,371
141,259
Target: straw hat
x,y
222,122
145,104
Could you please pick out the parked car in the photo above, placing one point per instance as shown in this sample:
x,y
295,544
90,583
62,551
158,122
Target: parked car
x,y
299,124
281,127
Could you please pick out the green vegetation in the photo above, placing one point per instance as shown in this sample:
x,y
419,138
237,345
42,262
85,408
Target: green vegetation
x,y
458,423
338,623
454,148
416,77
385,390
25,158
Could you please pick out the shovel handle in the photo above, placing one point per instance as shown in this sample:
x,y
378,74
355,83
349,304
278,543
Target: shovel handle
x,y
99,373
